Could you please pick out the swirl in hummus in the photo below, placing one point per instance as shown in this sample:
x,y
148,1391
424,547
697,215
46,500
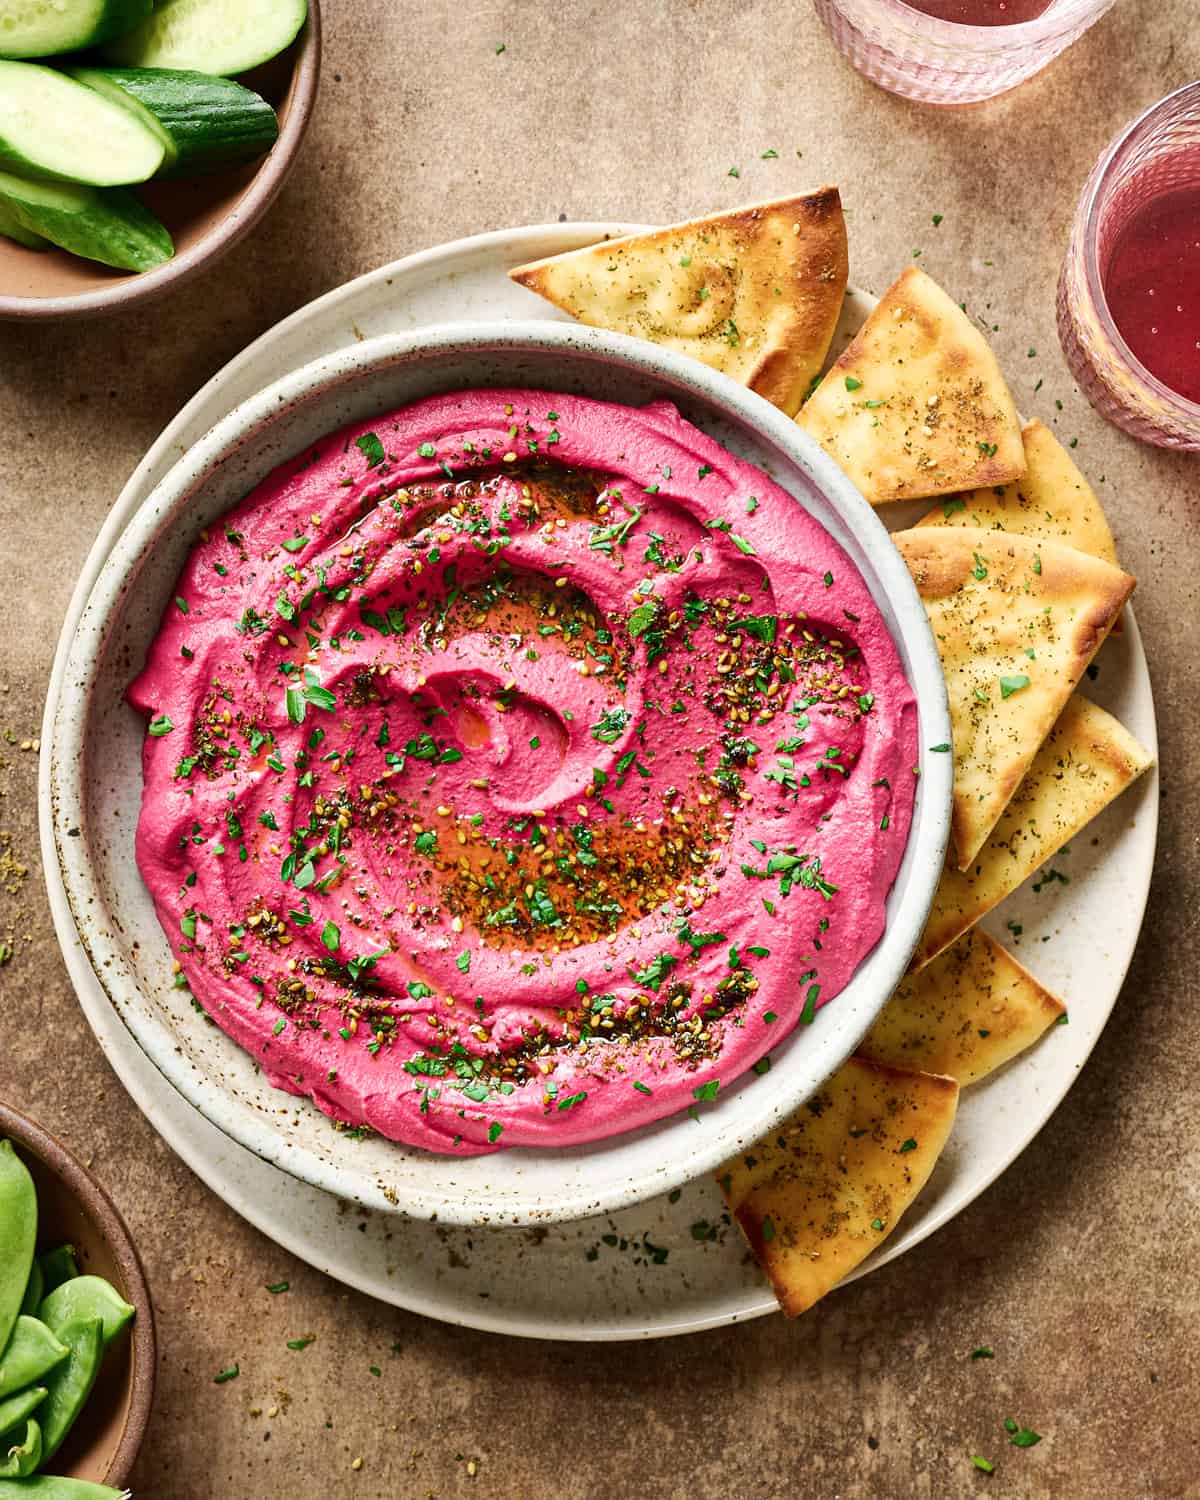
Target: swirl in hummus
x,y
521,768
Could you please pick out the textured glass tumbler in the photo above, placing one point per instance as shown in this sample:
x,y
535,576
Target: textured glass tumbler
x,y
944,62
1159,153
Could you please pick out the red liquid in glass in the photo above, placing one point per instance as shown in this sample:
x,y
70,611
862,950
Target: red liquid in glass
x,y
982,12
1153,288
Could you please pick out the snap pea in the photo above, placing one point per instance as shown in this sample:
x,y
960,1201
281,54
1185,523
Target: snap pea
x,y
58,1265
35,1289
23,1458
51,1487
86,1297
31,1352
18,1233
14,1409
70,1384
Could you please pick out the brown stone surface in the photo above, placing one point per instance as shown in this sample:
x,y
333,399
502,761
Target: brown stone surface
x,y
1079,1266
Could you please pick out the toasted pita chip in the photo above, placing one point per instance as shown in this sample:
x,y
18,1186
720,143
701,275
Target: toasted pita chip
x,y
1016,622
1053,502
1088,760
917,406
969,1011
755,292
816,1196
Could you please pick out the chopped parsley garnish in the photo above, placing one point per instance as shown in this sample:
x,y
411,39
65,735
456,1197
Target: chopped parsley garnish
x,y
697,940
641,619
656,971
763,628
793,869
606,538
371,449
611,726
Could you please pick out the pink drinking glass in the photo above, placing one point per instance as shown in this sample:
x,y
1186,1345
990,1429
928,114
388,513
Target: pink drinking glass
x,y
945,62
1158,153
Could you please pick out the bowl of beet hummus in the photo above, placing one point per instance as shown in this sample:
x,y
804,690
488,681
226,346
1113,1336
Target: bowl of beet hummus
x,y
500,772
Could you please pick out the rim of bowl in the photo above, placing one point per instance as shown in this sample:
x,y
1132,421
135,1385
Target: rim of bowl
x,y
132,290
37,1140
928,836
1051,23
1090,215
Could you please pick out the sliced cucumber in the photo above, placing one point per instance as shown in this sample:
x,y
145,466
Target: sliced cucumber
x,y
12,228
52,127
203,121
213,36
38,28
109,226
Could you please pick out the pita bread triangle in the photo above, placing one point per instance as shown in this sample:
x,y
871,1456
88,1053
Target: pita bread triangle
x,y
1088,760
1016,622
916,406
829,1184
755,292
1052,502
965,1014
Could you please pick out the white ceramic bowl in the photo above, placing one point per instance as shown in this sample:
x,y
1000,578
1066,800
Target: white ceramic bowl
x,y
96,784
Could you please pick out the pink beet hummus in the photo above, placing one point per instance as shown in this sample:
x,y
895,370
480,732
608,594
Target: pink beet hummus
x,y
521,768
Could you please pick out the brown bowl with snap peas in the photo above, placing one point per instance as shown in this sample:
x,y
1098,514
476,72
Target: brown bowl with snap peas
x,y
77,1350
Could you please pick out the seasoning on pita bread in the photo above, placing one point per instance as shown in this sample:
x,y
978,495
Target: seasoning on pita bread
x,y
1016,622
755,292
965,1014
1088,761
1052,502
826,1187
917,406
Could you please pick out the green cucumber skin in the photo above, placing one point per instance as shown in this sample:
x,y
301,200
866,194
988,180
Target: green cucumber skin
x,y
89,29
209,122
109,225
12,229
197,34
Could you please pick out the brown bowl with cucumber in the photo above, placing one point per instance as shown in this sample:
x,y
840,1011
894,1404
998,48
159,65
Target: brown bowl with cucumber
x,y
77,1346
140,141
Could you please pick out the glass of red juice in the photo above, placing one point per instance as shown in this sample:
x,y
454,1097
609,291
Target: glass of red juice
x,y
1129,293
955,51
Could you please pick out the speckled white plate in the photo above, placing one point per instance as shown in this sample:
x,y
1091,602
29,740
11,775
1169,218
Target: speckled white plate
x,y
651,1269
